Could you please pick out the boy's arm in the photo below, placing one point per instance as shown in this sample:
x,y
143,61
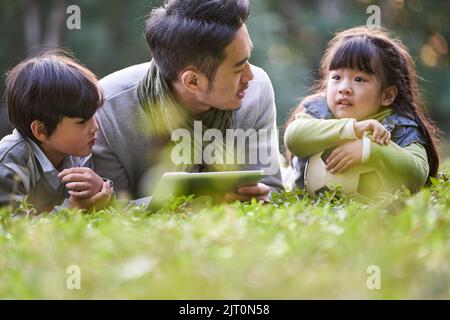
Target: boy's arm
x,y
15,186
408,165
307,135
12,188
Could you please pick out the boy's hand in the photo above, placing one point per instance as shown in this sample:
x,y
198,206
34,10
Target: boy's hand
x,y
258,191
82,183
345,156
98,201
380,134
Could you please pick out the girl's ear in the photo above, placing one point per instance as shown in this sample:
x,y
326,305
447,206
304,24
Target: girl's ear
x,y
39,131
389,95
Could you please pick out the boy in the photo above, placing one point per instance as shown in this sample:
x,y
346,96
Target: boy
x,y
51,101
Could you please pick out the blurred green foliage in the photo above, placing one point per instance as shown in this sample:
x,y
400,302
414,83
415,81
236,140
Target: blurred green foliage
x,y
289,37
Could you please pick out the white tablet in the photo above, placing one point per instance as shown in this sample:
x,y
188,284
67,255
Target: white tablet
x,y
212,184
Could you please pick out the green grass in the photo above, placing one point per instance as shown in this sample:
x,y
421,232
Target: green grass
x,y
292,248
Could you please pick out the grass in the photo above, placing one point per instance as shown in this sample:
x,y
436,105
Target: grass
x,y
292,248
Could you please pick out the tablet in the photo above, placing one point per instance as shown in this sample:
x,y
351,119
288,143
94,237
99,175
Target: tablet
x,y
212,184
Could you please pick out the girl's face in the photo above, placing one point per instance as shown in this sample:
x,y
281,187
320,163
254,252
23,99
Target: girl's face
x,y
354,94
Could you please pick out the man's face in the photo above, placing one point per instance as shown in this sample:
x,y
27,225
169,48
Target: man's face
x,y
233,75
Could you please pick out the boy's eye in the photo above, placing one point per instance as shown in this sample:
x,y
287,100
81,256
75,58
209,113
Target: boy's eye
x,y
81,122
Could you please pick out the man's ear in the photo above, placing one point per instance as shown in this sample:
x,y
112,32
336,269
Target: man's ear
x,y
193,80
389,95
39,131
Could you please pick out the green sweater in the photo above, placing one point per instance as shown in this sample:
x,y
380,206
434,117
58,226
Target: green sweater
x,y
307,135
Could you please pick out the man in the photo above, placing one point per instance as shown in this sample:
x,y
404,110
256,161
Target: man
x,y
200,71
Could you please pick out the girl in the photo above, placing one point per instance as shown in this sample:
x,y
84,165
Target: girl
x,y
367,106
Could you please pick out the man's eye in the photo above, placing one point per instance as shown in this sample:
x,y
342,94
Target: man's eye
x,y
239,71
81,122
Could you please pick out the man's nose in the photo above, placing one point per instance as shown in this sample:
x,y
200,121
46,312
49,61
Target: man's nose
x,y
248,74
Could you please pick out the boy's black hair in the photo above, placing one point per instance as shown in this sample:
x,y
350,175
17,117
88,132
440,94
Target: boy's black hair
x,y
196,32
48,88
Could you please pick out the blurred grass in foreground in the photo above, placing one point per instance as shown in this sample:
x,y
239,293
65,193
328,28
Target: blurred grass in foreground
x,y
293,248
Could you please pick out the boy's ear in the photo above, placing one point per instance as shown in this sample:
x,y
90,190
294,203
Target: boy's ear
x,y
39,131
389,95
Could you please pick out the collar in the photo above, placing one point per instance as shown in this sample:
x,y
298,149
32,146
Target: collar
x,y
49,171
385,112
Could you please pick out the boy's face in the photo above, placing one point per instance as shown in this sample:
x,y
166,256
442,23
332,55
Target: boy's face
x,y
72,136
232,76
353,94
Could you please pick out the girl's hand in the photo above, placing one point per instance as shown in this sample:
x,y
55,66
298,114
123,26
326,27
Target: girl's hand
x,y
345,156
98,201
82,183
380,134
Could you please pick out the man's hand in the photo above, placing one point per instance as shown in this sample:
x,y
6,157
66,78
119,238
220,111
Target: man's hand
x,y
82,183
259,191
380,134
345,156
98,201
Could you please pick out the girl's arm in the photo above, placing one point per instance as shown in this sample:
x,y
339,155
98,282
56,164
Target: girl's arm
x,y
307,135
408,165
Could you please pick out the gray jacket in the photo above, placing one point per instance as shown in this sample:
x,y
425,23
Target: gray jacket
x,y
125,155
25,171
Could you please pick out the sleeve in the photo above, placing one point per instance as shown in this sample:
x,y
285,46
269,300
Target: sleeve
x,y
405,166
106,163
269,157
13,187
307,135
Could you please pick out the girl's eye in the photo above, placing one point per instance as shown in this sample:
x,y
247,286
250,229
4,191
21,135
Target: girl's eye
x,y
359,79
335,77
